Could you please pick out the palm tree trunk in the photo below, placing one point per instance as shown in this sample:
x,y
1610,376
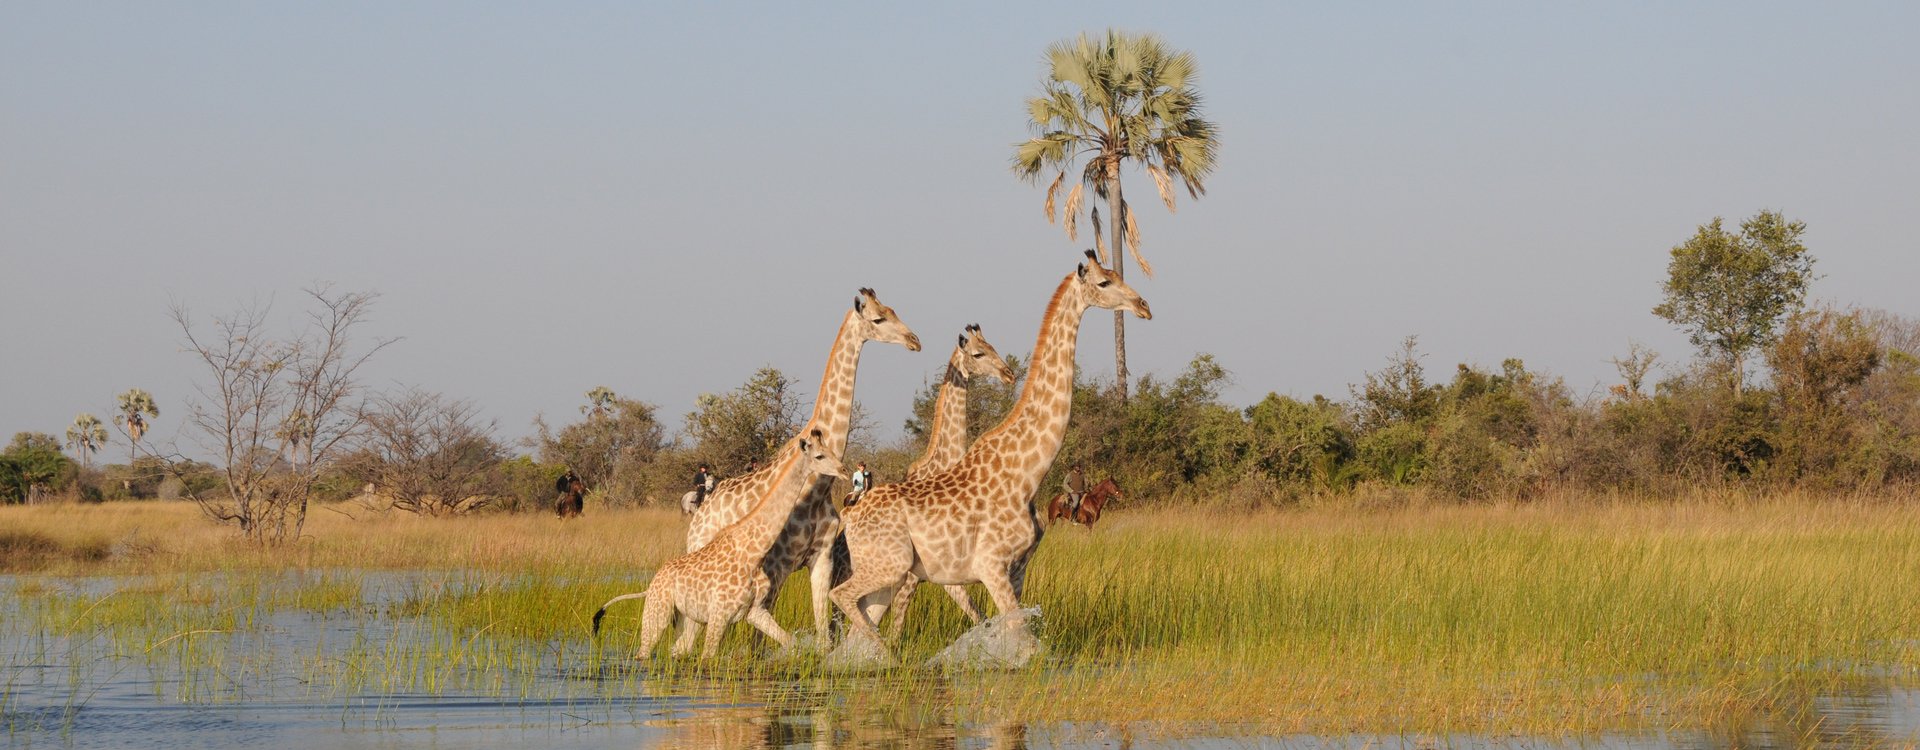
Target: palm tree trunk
x,y
1115,205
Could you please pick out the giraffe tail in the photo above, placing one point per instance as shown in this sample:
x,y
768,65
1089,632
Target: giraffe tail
x,y
603,609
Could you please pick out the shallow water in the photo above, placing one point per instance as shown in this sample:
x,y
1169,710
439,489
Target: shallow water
x,y
293,677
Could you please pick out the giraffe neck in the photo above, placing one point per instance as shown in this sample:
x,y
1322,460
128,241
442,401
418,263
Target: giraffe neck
x,y
760,527
833,406
947,439
1032,432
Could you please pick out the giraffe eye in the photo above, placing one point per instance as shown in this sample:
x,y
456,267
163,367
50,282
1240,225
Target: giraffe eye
x,y
878,321
977,355
1104,284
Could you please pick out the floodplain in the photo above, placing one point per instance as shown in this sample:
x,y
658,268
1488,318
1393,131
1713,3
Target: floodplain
x,y
1704,622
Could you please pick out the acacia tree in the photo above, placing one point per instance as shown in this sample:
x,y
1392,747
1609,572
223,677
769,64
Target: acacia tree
x,y
432,455
745,425
276,409
1731,291
86,436
612,448
1109,100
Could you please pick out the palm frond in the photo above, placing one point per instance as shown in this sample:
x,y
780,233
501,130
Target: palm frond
x,y
1099,239
1051,191
1164,184
1133,240
1073,213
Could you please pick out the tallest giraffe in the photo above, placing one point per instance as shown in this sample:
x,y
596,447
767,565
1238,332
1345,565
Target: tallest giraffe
x,y
974,521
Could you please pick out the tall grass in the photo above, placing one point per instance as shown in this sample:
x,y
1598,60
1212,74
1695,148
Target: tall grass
x,y
1554,617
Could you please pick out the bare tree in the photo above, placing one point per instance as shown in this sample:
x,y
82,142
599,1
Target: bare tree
x,y
276,410
431,455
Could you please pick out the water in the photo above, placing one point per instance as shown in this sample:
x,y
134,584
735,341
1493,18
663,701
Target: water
x,y
344,678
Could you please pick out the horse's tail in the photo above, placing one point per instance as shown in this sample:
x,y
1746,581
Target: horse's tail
x,y
603,609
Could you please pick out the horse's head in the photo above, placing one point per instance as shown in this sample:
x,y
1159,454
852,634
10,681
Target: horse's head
x,y
1106,491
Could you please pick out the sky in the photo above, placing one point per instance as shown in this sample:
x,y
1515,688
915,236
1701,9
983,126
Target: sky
x,y
662,198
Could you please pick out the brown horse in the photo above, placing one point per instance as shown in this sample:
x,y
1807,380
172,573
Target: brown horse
x,y
573,495
1090,505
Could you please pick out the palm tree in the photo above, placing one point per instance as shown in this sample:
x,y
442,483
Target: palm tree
x,y
86,435
1108,100
136,406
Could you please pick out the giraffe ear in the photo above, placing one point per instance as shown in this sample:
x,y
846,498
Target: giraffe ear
x,y
859,305
963,339
1083,270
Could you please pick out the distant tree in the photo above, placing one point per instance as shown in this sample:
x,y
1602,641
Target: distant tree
x,y
745,425
1398,394
1111,99
32,460
599,401
431,455
1634,367
86,436
612,449
1730,291
1819,359
136,407
276,411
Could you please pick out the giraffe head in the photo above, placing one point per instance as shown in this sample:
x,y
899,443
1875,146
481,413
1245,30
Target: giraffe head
x,y
879,323
1104,289
975,356
815,460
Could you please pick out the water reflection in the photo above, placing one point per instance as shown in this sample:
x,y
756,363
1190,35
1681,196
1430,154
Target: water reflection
x,y
294,677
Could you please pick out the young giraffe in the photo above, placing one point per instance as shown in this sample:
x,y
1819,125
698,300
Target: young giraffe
x,y
974,521
721,582
946,442
813,522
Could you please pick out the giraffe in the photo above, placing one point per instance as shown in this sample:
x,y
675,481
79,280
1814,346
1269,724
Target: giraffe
x,y
946,442
947,437
721,582
975,521
813,523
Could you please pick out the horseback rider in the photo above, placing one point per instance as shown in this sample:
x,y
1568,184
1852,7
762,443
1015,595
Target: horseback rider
x,y
702,483
862,481
1076,486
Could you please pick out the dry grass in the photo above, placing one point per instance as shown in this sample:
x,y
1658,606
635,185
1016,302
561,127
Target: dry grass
x,y
1561,617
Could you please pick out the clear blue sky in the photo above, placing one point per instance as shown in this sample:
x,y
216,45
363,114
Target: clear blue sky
x,y
675,196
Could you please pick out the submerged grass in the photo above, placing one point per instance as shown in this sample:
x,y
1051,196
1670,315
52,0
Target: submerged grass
x,y
1548,618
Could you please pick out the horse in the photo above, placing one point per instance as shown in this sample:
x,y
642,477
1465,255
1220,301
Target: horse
x,y
690,501
1090,504
572,495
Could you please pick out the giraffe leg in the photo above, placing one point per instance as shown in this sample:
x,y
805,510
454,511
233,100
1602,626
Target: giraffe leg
x,y
715,631
820,578
869,576
959,596
1000,586
901,598
689,630
653,621
760,618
